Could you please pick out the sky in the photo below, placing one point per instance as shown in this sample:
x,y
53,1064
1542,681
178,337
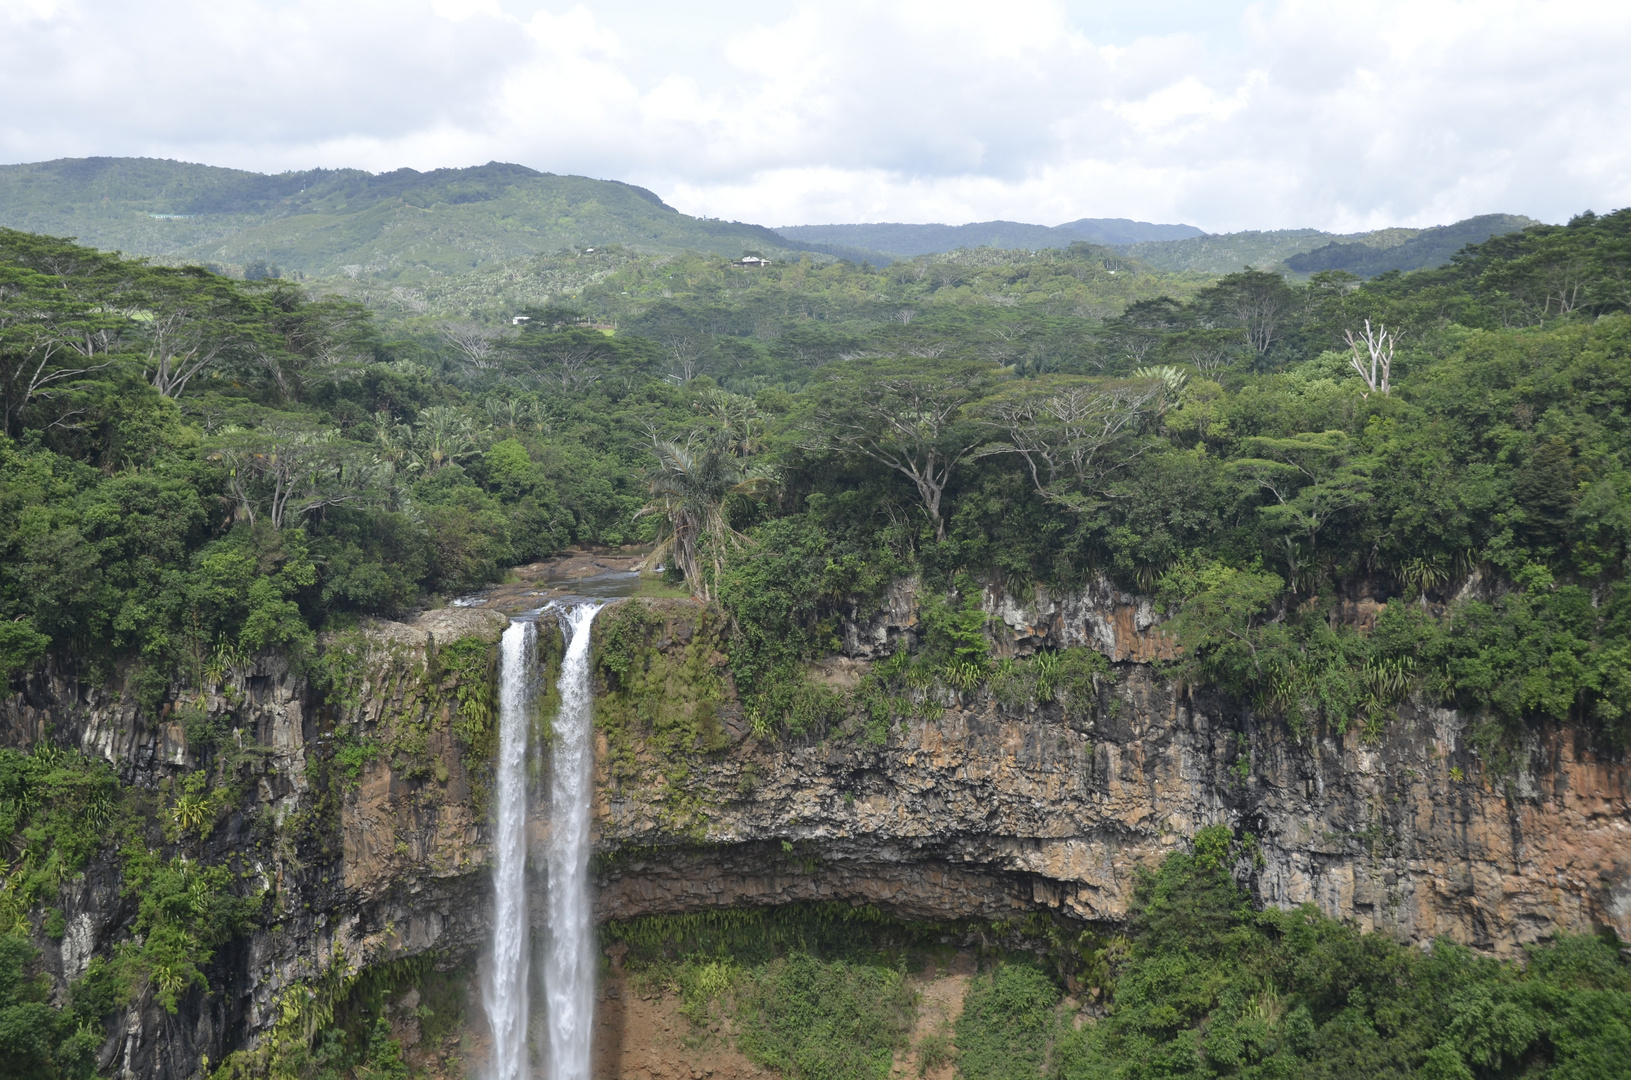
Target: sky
x,y
1278,114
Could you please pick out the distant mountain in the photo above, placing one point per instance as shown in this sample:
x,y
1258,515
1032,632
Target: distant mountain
x,y
1306,251
327,222
1225,253
1119,231
903,240
1429,247
408,227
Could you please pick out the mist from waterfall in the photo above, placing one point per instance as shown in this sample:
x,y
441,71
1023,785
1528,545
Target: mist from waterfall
x,y
504,990
569,957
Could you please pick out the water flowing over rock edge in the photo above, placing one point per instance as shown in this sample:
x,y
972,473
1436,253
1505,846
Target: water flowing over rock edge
x,y
504,987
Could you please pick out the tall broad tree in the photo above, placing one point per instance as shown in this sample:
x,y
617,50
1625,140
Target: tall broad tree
x,y
191,321
288,468
1260,303
910,415
1073,434
307,341
49,339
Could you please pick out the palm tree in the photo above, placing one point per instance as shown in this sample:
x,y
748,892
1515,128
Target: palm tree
x,y
442,436
688,487
742,427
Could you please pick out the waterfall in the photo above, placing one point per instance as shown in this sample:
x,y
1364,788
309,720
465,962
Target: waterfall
x,y
569,958
504,991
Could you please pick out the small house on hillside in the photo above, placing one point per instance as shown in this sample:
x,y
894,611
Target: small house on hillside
x,y
751,260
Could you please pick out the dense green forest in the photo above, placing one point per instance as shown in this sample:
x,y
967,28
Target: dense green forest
x,y
242,464
196,469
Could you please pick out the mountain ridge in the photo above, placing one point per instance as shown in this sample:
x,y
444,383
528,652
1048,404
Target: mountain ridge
x,y
406,226
325,222
908,240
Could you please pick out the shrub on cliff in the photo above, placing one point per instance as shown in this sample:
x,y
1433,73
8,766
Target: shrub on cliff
x,y
37,1041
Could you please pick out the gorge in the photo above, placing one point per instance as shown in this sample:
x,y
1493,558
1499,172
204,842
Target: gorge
x,y
978,809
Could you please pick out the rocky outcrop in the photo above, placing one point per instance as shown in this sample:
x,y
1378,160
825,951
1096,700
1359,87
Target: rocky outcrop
x,y
1098,615
364,813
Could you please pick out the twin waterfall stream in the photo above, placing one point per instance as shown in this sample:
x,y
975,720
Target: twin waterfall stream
x,y
568,961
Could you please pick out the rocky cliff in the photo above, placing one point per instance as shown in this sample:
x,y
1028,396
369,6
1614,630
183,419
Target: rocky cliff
x,y
360,812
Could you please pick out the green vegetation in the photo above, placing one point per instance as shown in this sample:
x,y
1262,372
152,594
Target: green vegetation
x,y
245,464
1406,249
201,476
404,238
1203,986
56,807
62,810
815,991
806,1018
37,1041
1206,986
905,241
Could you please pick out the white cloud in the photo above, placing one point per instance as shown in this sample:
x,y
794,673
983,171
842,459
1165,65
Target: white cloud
x,y
1347,116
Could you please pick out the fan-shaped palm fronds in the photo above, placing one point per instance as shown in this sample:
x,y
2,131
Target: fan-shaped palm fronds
x,y
442,436
688,487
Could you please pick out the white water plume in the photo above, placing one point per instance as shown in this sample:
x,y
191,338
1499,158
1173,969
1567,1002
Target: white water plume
x,y
504,991
569,958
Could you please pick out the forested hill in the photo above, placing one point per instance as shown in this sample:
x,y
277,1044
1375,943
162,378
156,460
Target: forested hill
x,y
1306,251
333,222
1175,248
481,226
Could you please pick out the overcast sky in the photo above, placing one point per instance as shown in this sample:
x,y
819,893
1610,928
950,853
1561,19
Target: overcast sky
x,y
1228,116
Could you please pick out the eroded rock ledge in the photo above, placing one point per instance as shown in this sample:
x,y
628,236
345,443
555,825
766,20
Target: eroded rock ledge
x,y
1000,810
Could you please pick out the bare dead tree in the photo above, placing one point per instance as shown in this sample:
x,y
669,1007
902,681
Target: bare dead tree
x,y
1378,345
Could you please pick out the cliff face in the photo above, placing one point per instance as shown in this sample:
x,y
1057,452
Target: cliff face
x,y
363,812
983,809
358,865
